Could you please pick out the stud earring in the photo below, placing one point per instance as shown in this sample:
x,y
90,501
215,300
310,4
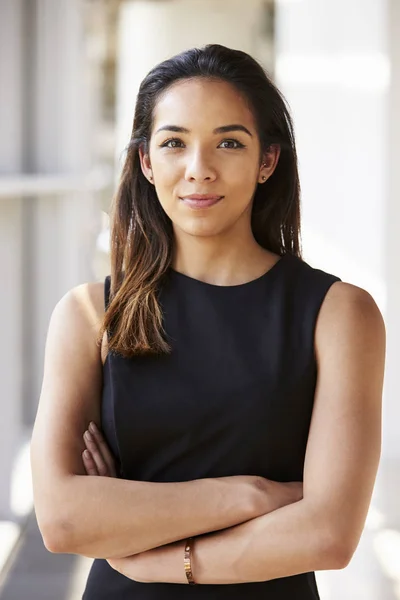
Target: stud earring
x,y
263,177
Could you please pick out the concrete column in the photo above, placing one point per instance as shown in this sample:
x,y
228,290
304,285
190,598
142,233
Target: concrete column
x,y
63,116
47,239
11,142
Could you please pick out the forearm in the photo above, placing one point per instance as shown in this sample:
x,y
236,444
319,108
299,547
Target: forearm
x,y
288,541
291,540
108,517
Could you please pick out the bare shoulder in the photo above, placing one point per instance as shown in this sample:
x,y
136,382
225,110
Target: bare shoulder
x,y
79,312
86,300
350,313
346,297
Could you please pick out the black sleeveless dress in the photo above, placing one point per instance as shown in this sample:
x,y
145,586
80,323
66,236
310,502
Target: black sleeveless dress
x,y
235,397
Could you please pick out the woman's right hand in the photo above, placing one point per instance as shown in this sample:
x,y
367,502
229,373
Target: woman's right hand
x,y
97,457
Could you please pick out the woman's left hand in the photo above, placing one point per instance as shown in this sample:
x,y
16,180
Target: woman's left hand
x,y
97,458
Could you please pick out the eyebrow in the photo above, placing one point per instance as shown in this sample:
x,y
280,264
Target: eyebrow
x,y
223,129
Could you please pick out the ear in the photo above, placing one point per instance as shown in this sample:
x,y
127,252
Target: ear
x,y
270,160
145,164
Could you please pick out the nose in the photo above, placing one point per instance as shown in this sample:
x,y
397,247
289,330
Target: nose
x,y
198,168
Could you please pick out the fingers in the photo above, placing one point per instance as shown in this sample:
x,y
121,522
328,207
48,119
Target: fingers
x,y
91,445
97,447
88,463
103,449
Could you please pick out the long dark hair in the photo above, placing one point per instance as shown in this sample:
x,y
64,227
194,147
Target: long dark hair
x,y
142,233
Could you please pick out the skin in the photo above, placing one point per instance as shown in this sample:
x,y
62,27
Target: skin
x,y
321,529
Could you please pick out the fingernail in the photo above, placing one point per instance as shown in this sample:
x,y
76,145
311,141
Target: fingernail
x,y
92,427
86,454
87,435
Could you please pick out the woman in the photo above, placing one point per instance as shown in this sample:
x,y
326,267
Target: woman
x,y
236,389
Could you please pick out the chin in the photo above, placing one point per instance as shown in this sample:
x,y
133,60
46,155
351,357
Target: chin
x,y
201,227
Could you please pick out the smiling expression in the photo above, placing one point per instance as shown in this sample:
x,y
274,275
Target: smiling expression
x,y
204,141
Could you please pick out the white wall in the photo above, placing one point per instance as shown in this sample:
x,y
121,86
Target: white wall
x,y
334,64
391,159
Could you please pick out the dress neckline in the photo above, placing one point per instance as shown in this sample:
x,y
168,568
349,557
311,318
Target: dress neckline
x,y
268,274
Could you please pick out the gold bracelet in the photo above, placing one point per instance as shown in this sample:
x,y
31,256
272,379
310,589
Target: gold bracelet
x,y
187,560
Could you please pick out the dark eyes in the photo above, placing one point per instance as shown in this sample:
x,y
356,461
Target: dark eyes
x,y
167,143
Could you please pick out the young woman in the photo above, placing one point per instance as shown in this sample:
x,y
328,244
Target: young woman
x,y
235,389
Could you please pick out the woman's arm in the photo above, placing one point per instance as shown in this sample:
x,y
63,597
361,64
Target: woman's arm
x,y
291,540
322,530
103,516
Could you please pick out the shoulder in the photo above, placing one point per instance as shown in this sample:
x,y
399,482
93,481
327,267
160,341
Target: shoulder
x,y
349,316
345,301
84,301
77,316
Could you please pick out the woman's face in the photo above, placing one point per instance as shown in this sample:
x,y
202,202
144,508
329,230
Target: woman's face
x,y
188,154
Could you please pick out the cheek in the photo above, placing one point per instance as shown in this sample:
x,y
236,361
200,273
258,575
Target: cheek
x,y
167,167
244,176
168,199
168,182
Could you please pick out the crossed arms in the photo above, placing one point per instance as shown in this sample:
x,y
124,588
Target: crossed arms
x,y
245,534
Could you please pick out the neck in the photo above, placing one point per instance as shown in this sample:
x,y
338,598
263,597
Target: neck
x,y
221,261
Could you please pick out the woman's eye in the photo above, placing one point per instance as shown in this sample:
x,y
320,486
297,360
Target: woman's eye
x,y
174,140
238,144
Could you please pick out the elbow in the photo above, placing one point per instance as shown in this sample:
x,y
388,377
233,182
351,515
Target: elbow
x,y
337,553
53,545
346,550
341,556
56,521
55,537
62,538
335,541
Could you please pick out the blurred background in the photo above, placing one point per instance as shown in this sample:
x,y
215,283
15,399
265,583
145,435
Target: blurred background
x,y
69,74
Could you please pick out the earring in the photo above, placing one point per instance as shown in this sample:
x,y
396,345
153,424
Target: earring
x,y
263,177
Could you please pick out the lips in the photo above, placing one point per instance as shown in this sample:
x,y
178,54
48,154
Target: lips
x,y
201,200
202,197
